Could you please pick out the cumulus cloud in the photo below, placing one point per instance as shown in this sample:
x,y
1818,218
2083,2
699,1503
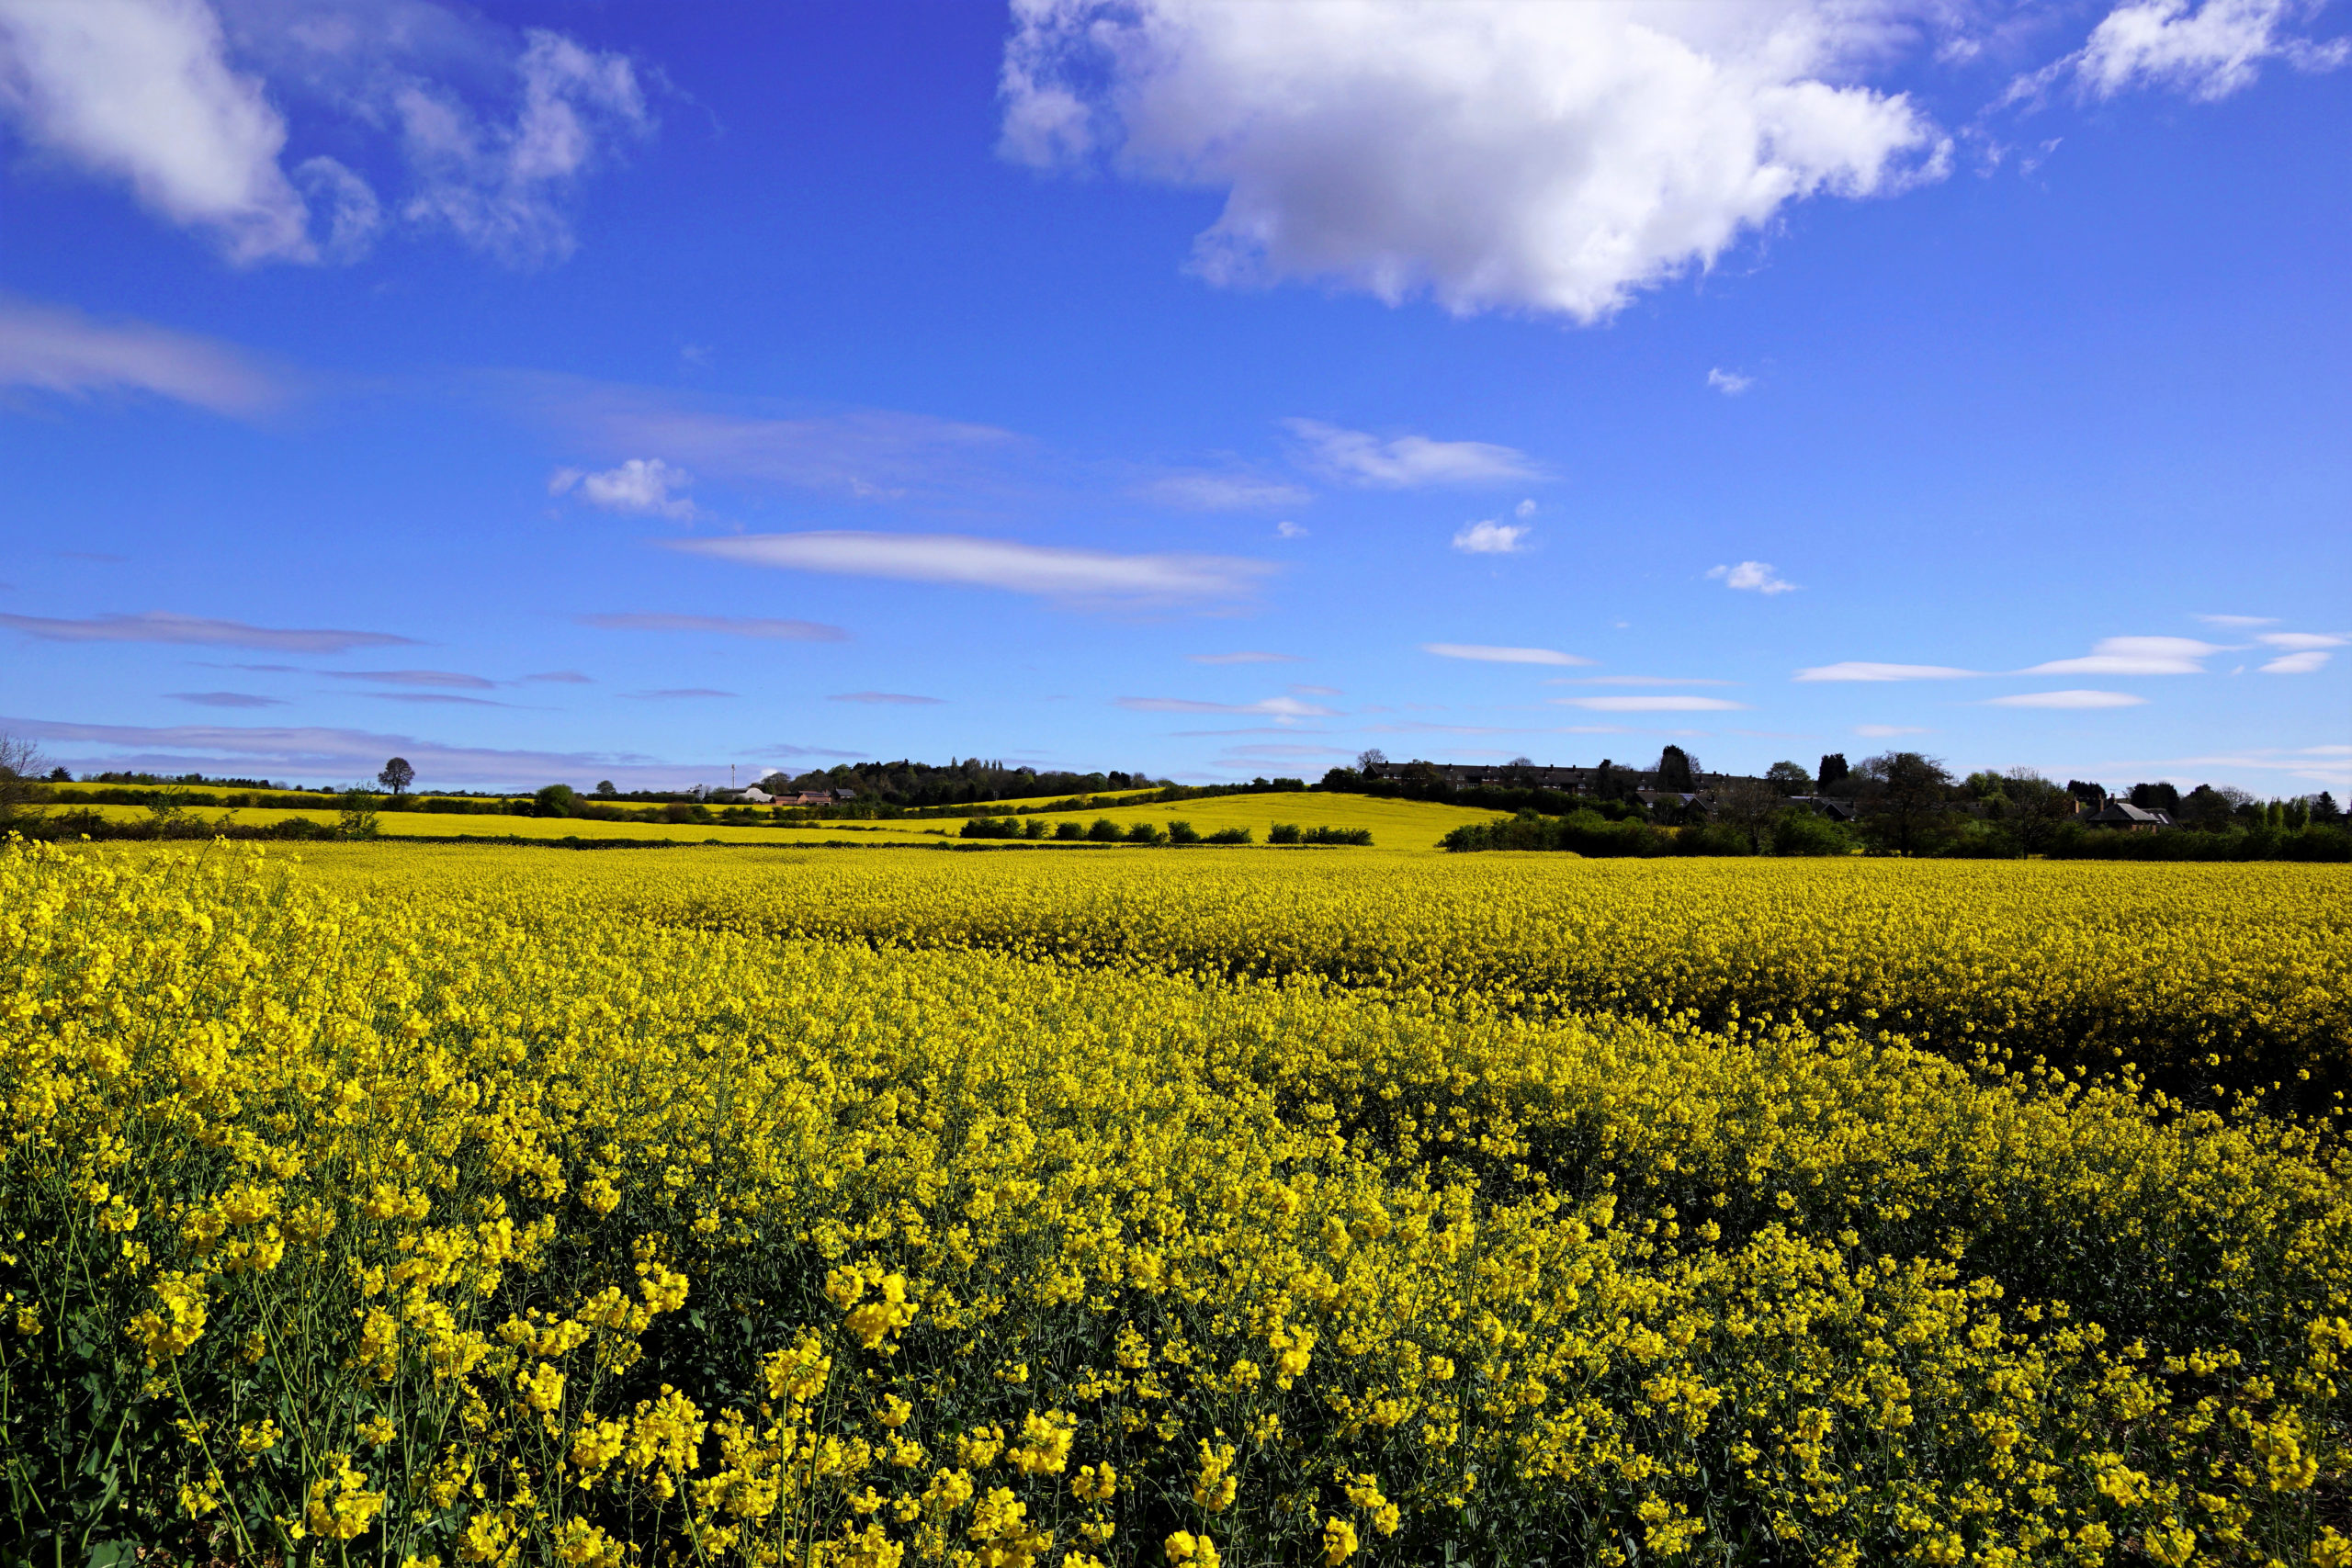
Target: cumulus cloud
x,y
2205,51
142,92
1752,576
64,352
1494,155
640,485
1862,670
2133,656
502,189
1227,492
1248,656
1405,462
1048,571
1486,654
2074,699
1491,539
720,625
1664,701
158,625
1730,383
901,699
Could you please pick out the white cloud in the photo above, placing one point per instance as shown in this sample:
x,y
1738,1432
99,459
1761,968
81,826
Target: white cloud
x,y
141,91
2133,656
1050,571
1862,670
2076,699
640,485
502,189
1227,492
1752,576
2308,662
159,625
1284,709
61,351
721,625
1407,462
1883,731
1491,539
2207,51
1494,155
1730,383
1289,530
1524,510
1246,657
2299,641
1489,655
1664,702
2239,620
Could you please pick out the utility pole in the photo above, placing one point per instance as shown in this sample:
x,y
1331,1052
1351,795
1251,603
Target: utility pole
x,y
730,775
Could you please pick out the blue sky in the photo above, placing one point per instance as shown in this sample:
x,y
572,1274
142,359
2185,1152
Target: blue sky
x,y
629,391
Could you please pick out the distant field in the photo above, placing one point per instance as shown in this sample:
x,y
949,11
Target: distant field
x,y
436,825
1395,824
1037,801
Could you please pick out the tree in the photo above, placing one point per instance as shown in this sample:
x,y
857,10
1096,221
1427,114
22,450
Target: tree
x,y
1912,788
356,818
2158,796
2324,809
1789,778
2206,806
605,786
1833,772
1370,757
21,766
1676,771
2092,795
1747,806
556,800
397,776
2032,807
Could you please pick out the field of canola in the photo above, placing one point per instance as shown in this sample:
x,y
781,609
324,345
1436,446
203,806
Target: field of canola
x,y
450,1205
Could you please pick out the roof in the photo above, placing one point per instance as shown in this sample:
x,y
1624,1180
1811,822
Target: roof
x,y
2125,812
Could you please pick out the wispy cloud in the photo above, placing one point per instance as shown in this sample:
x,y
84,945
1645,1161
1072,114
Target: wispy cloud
x,y
1885,731
2073,699
720,625
445,699
2206,52
1486,654
1286,529
158,625
2308,662
435,678
1752,577
1491,539
1273,708
1407,462
562,677
1862,670
1049,572
678,695
58,351
901,698
2302,641
226,699
1730,383
2239,622
1635,681
1664,701
1210,491
641,485
2133,656
1248,656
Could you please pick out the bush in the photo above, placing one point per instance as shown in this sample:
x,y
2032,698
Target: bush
x,y
1802,832
1103,831
1146,833
556,800
1182,832
989,827
1069,830
1228,836
1282,833
1035,828
1338,836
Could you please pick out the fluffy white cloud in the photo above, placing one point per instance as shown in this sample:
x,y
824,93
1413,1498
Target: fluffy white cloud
x,y
1491,539
1489,655
2133,656
2075,699
1730,383
1046,570
2207,51
721,625
159,625
640,485
503,188
61,351
1407,462
1862,670
1495,153
141,91
1664,702
1753,576
2308,662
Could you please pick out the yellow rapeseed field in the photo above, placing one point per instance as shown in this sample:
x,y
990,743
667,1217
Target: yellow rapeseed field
x,y
424,1205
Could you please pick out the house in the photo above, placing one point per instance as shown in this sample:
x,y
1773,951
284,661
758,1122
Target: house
x,y
2120,813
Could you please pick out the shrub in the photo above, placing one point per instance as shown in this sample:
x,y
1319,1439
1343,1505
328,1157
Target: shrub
x,y
1182,832
1229,836
1069,830
1282,833
1103,831
1146,833
1338,836
556,800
